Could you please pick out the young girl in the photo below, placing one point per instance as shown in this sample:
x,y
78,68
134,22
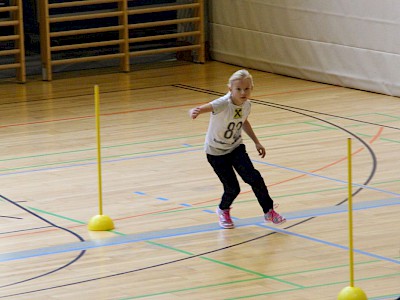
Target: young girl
x,y
225,149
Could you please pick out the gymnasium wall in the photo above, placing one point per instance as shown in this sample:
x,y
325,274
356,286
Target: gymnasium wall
x,y
347,43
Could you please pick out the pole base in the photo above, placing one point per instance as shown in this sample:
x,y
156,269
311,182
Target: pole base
x,y
352,293
100,223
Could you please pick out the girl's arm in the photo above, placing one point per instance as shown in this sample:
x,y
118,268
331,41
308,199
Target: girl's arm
x,y
194,112
249,131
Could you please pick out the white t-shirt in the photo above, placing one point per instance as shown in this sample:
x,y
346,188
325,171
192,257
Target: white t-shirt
x,y
224,132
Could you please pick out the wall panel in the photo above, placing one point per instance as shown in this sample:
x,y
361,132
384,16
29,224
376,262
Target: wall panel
x,y
349,43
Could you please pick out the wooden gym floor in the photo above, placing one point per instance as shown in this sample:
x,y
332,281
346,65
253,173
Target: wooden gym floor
x,y
161,193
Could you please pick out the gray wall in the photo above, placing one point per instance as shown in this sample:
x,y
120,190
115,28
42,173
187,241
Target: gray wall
x,y
348,43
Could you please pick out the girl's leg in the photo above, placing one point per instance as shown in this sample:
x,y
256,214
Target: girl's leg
x,y
222,166
243,165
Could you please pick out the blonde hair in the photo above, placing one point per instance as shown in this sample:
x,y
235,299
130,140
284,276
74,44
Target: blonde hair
x,y
241,74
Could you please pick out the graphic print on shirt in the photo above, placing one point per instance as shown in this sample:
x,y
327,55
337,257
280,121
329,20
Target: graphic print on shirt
x,y
238,113
233,130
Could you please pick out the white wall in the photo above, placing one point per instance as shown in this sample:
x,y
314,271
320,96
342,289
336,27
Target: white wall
x,y
348,43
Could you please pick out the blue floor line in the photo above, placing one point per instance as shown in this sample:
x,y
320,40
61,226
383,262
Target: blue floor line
x,y
168,233
367,187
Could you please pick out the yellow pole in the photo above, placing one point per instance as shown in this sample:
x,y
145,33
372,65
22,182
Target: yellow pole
x,y
97,110
99,222
351,292
350,212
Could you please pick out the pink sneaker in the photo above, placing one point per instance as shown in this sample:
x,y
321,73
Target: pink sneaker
x,y
224,218
274,217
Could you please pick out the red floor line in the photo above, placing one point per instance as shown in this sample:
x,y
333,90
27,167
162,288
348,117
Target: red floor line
x,y
377,135
104,114
148,109
298,91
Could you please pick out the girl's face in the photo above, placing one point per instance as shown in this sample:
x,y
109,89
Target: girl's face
x,y
240,91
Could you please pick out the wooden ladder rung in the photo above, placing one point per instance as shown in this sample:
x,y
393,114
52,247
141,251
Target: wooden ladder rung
x,y
87,45
167,7
10,52
86,59
9,23
10,66
164,37
164,50
6,38
164,23
86,31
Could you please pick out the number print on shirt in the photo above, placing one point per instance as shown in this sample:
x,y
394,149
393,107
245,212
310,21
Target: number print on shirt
x,y
231,127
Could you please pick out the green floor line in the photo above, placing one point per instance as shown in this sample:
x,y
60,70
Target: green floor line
x,y
390,140
395,296
289,133
255,295
261,276
253,272
55,215
344,283
159,140
192,289
66,218
390,116
103,147
93,159
320,125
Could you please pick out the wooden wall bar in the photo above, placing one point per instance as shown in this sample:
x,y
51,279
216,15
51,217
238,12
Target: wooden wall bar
x,y
70,31
12,39
65,46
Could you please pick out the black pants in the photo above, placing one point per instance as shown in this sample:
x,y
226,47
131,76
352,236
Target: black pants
x,y
225,166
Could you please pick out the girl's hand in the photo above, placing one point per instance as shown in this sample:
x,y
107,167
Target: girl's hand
x,y
261,150
194,112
